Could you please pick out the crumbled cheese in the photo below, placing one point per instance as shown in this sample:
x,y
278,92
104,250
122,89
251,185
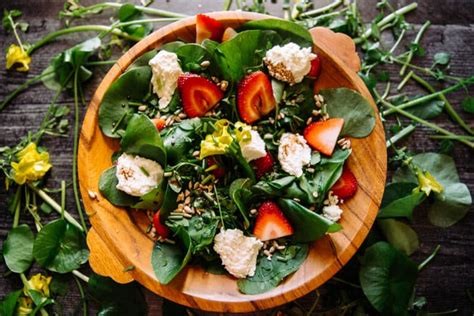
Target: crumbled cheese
x,y
332,212
137,175
289,63
238,252
293,153
253,148
165,72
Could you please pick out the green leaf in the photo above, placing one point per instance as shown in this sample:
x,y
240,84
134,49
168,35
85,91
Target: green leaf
x,y
442,58
427,110
18,248
399,200
387,277
143,60
131,86
308,225
251,45
202,230
468,104
289,31
269,273
168,260
172,46
239,191
60,247
358,114
191,56
108,187
180,139
9,302
143,139
128,12
451,205
399,235
117,299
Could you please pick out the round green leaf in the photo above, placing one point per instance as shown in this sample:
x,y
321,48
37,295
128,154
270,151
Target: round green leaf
x,y
108,187
399,235
358,114
18,249
387,277
60,247
451,205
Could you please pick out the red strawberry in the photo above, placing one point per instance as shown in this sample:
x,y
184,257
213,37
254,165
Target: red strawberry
x,y
160,228
159,123
199,94
271,223
262,165
219,172
346,186
315,68
255,97
323,135
229,33
208,28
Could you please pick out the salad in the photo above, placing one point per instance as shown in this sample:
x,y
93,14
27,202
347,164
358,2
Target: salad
x,y
236,159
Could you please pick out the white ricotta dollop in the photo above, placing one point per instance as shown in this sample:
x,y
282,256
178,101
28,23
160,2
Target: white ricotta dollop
x,y
293,153
165,72
289,63
254,148
332,212
238,252
137,175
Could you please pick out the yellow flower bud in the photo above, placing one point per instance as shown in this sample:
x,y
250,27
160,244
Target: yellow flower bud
x,y
427,183
25,306
39,283
31,165
17,55
217,142
242,132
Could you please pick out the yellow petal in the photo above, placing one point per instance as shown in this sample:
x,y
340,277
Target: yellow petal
x,y
428,183
31,166
217,142
242,132
16,55
25,306
40,283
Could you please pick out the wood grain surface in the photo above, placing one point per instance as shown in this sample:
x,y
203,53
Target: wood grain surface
x,y
444,282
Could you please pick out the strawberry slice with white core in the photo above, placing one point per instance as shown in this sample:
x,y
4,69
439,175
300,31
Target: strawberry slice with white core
x,y
198,94
208,28
323,135
255,97
271,223
346,186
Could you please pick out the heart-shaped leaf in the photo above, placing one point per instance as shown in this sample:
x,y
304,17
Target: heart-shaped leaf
x,y
18,248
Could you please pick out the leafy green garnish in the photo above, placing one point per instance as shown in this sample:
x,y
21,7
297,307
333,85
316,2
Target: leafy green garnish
x,y
60,247
9,303
468,104
399,200
128,12
179,139
108,187
18,248
399,235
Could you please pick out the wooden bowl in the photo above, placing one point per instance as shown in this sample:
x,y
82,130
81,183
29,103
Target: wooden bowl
x,y
117,239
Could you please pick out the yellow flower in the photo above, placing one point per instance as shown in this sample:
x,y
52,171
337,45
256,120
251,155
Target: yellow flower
x,y
39,283
427,183
217,142
31,166
25,306
17,55
242,132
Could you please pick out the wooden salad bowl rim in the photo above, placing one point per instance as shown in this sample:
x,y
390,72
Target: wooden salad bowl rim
x,y
119,247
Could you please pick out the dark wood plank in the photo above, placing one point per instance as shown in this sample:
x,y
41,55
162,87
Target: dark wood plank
x,y
444,282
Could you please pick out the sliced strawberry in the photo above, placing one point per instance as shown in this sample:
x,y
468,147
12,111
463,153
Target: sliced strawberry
x,y
218,172
159,123
315,68
262,165
160,228
255,97
271,223
323,135
198,94
229,33
208,28
346,186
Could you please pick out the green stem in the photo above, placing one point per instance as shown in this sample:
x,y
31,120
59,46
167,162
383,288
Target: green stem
x,y
422,121
80,28
415,42
404,132
81,276
423,69
83,297
16,217
431,96
146,10
219,206
75,146
399,40
46,198
455,137
21,88
13,24
63,198
100,63
321,10
428,260
345,282
146,21
447,105
405,80
386,20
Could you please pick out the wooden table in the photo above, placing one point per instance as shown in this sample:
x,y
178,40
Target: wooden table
x,y
444,282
